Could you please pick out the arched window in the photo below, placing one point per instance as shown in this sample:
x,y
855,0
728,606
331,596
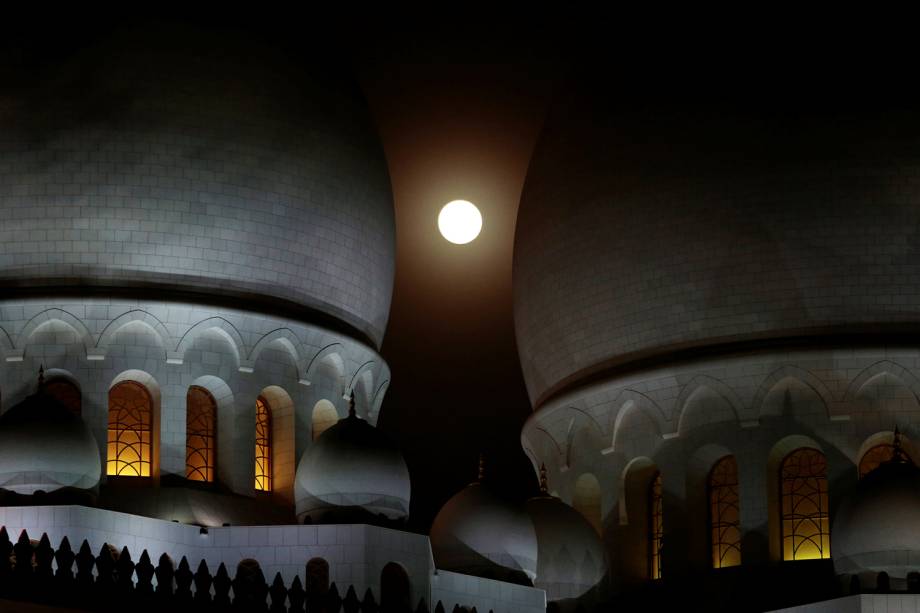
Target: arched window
x,y
724,513
874,457
130,435
317,577
200,426
65,392
656,526
395,591
804,509
263,446
324,417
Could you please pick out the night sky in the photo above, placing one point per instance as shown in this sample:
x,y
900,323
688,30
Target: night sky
x,y
457,122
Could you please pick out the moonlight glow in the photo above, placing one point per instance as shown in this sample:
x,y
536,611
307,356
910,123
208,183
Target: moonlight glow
x,y
459,222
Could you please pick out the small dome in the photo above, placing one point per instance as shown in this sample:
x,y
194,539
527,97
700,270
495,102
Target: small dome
x,y
874,528
352,467
477,533
45,448
570,558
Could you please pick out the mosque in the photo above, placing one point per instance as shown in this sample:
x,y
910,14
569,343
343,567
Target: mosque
x,y
715,312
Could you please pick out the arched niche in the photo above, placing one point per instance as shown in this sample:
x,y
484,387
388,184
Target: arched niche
x,y
586,499
631,534
324,417
879,448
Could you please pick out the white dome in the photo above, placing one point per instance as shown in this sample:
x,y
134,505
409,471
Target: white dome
x,y
352,467
44,447
875,527
477,533
642,233
570,556
198,161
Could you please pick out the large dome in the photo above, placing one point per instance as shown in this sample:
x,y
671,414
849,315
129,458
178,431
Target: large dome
x,y
352,467
644,232
46,448
477,533
184,160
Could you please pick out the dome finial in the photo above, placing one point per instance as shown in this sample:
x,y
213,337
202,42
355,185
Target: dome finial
x,y
544,489
41,376
351,406
482,467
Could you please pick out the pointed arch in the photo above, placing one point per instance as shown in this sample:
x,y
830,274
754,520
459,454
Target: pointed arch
x,y
285,338
688,402
581,423
555,444
879,368
326,372
366,367
6,343
330,354
802,376
218,324
362,387
799,398
636,432
48,315
628,398
130,317
378,398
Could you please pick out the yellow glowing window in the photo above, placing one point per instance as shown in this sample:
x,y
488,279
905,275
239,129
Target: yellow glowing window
x,y
805,523
656,527
200,421
66,393
724,513
130,432
263,446
874,457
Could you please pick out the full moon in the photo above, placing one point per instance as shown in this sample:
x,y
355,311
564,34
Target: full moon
x,y
459,222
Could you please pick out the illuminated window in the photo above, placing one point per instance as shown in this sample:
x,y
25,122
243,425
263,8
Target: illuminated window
x,y
874,457
724,513
263,446
805,524
201,418
65,392
656,527
130,430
